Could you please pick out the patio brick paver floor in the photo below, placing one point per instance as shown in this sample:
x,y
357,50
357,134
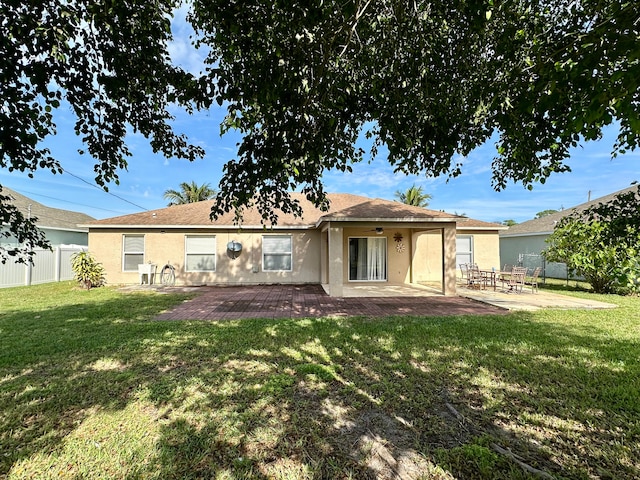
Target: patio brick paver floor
x,y
300,301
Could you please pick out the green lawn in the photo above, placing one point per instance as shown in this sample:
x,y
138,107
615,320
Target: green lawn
x,y
91,387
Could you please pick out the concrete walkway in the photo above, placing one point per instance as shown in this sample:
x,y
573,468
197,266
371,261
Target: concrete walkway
x,y
528,301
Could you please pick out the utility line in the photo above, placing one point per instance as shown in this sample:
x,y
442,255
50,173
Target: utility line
x,y
105,191
67,201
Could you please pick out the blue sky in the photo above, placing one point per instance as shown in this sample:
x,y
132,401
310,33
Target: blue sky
x,y
148,176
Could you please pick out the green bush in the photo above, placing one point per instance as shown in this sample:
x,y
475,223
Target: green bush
x,y
87,271
602,244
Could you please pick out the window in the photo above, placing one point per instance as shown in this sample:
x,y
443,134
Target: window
x,y
200,253
132,252
368,259
464,249
276,253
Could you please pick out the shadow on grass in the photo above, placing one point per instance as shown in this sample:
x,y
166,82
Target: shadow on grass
x,y
323,398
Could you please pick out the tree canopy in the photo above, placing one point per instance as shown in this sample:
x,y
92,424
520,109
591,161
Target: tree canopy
x,y
189,193
414,196
13,223
429,81
544,213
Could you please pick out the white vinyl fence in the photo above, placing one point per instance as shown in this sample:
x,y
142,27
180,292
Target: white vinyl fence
x,y
49,266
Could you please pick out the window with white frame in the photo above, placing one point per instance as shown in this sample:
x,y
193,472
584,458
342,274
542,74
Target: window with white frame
x,y
132,252
368,259
464,249
200,253
277,253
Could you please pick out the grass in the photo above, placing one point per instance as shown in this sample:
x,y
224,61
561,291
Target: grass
x,y
567,285
91,387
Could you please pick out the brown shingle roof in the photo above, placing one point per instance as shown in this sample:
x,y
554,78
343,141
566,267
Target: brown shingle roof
x,y
546,224
473,224
48,217
343,207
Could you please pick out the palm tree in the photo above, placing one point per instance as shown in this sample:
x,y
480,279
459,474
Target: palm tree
x,y
190,193
414,196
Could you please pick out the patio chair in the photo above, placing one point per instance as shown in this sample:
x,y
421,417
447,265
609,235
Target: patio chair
x,y
475,278
516,279
463,271
533,281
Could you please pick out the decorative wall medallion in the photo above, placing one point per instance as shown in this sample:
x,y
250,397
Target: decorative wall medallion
x,y
400,247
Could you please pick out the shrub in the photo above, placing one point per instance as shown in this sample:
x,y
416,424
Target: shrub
x,y
602,243
87,271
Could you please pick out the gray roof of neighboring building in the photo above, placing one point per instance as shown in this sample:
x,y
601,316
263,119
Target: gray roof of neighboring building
x,y
546,224
48,217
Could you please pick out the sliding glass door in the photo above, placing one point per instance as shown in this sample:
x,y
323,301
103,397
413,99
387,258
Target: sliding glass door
x,y
368,259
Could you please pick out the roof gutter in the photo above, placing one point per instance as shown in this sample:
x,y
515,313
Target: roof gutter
x,y
384,220
529,234
196,227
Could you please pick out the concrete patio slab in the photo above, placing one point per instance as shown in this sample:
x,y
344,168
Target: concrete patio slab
x,y
386,290
528,301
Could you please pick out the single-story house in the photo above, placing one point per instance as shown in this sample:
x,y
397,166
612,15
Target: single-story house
x,y
523,243
359,240
60,227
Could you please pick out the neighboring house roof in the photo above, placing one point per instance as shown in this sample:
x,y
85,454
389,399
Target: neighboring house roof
x,y
546,224
343,207
48,217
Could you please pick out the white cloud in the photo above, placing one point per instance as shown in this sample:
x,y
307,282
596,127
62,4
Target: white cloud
x,y
181,48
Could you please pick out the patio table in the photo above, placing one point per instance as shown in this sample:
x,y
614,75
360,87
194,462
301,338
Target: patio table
x,y
493,275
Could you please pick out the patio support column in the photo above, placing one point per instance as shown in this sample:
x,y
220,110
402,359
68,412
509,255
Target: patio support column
x,y
449,259
336,262
324,257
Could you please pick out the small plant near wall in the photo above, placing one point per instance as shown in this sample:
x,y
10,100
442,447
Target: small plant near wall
x,y
87,271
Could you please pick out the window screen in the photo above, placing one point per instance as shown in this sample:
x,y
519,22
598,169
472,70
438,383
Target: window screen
x,y
132,252
200,252
276,253
464,249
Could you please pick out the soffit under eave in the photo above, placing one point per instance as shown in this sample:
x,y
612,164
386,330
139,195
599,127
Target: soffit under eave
x,y
323,224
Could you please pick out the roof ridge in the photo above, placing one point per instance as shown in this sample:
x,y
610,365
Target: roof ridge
x,y
547,223
47,216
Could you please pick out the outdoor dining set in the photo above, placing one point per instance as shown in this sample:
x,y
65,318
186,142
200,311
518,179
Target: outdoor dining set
x,y
513,279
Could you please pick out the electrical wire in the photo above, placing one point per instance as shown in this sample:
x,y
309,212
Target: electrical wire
x,y
67,201
105,191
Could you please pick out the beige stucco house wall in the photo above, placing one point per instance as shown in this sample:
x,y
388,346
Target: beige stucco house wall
x,y
486,248
428,265
168,246
428,259
420,244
